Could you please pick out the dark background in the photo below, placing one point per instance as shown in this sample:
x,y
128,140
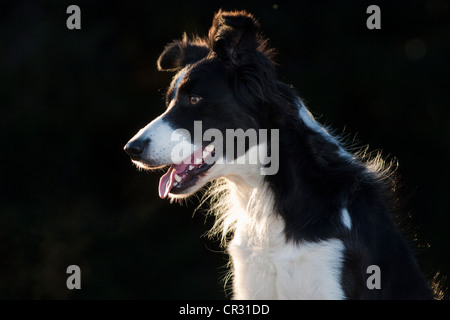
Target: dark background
x,y
71,99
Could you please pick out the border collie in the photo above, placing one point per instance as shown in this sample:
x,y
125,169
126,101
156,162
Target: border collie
x,y
321,226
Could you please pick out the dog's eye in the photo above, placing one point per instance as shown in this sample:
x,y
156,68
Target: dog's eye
x,y
194,99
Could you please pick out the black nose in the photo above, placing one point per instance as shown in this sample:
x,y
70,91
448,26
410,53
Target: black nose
x,y
135,148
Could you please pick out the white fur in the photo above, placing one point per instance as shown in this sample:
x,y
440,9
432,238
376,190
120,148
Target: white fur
x,y
162,141
309,121
178,78
161,135
345,219
265,265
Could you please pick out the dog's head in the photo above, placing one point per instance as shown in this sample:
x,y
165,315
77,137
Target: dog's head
x,y
221,89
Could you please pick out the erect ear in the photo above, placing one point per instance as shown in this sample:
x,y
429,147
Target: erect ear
x,y
179,53
233,33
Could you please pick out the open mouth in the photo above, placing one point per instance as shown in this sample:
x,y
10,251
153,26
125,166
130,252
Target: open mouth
x,y
181,176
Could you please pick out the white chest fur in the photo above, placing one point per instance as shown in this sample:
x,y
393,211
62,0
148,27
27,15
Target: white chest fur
x,y
265,266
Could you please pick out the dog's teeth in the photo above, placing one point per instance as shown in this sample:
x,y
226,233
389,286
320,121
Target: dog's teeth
x,y
198,161
209,148
177,177
191,167
175,184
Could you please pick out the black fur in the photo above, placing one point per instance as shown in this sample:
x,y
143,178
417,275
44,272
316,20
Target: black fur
x,y
234,72
179,53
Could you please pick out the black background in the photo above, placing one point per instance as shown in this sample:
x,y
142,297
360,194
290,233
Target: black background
x,y
71,99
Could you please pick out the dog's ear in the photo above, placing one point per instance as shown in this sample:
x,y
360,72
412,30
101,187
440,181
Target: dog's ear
x,y
179,53
233,34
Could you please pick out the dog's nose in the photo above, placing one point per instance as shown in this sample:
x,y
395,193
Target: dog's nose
x,y
135,148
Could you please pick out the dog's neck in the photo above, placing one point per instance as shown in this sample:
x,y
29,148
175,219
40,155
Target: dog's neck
x,y
242,204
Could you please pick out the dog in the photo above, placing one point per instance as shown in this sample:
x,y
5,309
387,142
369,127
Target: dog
x,y
319,223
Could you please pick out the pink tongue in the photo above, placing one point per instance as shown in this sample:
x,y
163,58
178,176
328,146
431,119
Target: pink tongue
x,y
167,180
